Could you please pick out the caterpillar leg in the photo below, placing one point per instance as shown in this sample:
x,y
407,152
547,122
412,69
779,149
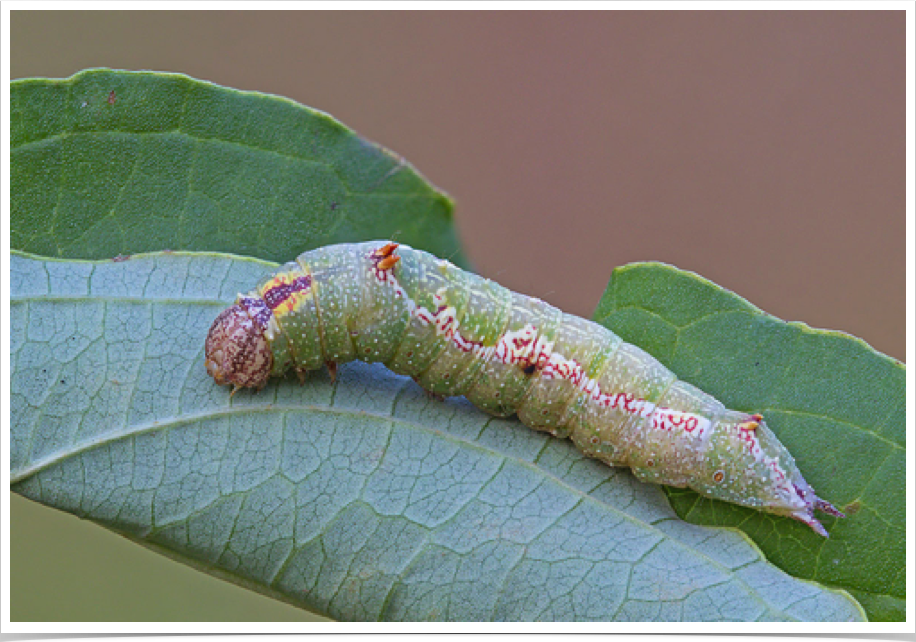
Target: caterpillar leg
x,y
236,388
430,393
332,370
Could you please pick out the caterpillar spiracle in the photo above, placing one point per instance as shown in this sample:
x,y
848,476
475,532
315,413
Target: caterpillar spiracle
x,y
457,333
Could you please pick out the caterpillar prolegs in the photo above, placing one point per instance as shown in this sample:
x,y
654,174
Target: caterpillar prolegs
x,y
457,333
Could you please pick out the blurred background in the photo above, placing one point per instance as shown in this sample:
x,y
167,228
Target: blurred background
x,y
763,150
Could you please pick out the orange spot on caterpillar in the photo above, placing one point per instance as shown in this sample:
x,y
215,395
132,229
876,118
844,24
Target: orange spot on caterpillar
x,y
752,423
112,97
388,262
386,250
718,476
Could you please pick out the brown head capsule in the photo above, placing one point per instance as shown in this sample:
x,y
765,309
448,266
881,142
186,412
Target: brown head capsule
x,y
237,351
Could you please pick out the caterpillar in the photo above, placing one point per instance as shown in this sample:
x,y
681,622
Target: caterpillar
x,y
457,333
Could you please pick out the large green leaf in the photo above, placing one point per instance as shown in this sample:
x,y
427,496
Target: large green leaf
x,y
364,499
116,162
837,404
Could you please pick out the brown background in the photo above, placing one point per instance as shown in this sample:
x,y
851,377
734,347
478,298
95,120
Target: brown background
x,y
763,150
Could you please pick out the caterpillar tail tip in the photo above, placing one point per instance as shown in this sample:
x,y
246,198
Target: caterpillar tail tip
x,y
826,507
807,517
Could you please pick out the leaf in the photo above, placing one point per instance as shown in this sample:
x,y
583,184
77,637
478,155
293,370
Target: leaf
x,y
362,500
110,163
834,402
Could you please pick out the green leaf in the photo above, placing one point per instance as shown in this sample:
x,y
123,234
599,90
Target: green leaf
x,y
362,500
114,162
836,404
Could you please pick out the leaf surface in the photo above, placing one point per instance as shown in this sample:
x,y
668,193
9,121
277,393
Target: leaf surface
x,y
109,163
361,500
836,404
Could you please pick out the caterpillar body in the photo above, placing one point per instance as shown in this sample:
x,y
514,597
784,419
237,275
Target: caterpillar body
x,y
457,333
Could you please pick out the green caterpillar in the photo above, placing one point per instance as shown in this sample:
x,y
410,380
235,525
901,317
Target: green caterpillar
x,y
457,333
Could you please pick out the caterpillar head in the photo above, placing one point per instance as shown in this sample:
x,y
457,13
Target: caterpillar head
x,y
237,352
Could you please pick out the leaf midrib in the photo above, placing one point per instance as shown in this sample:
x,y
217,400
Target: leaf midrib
x,y
139,429
87,445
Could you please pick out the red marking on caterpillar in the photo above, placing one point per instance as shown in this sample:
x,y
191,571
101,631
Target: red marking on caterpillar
x,y
514,349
